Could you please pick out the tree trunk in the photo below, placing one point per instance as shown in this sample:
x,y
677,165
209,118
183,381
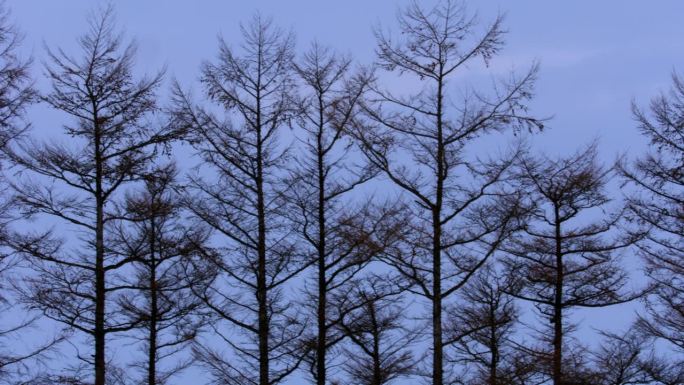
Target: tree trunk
x,y
558,308
152,353
377,367
437,343
437,364
494,364
261,250
261,288
99,332
322,290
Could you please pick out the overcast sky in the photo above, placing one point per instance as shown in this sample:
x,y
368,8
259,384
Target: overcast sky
x,y
595,56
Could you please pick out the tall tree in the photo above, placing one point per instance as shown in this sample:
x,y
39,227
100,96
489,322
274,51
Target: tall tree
x,y
565,258
342,235
111,141
658,205
166,267
242,200
422,143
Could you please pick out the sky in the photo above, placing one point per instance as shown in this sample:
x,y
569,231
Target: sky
x,y
596,57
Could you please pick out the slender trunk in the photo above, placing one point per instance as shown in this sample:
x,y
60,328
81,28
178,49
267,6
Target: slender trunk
x,y
558,308
261,246
152,352
321,343
322,329
377,368
261,281
437,343
494,364
437,368
99,332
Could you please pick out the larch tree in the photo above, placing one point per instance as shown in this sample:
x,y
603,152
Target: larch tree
x,y
622,359
166,266
568,255
482,327
342,234
422,142
16,95
664,372
16,87
657,204
238,192
378,346
111,140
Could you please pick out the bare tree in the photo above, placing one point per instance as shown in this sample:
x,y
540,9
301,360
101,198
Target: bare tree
x,y
21,363
242,201
663,371
112,140
379,342
622,359
482,327
658,205
16,94
163,248
16,88
342,235
460,215
565,258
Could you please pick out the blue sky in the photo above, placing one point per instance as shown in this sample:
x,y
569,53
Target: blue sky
x,y
595,56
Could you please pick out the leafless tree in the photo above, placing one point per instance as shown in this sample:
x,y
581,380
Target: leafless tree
x,y
623,359
242,200
565,258
21,363
658,205
342,236
16,94
481,326
663,371
16,88
421,142
379,341
163,248
112,139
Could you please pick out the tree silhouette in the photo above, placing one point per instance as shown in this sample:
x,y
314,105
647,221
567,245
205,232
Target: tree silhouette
x,y
482,327
622,359
565,259
658,205
459,212
342,235
16,94
379,340
242,201
164,249
112,142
